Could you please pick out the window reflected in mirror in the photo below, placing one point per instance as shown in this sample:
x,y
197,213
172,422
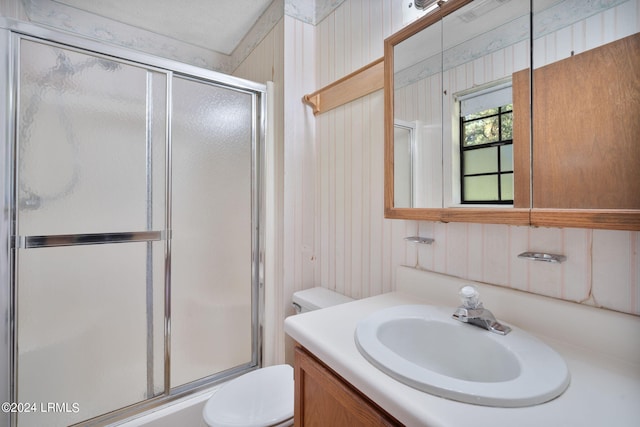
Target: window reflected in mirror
x,y
486,145
445,75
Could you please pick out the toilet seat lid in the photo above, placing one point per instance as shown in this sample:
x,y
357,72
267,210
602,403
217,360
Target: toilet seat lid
x,y
259,398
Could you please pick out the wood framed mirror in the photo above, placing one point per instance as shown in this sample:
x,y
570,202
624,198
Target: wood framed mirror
x,y
457,62
447,69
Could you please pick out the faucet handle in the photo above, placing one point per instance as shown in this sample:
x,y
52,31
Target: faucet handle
x,y
470,297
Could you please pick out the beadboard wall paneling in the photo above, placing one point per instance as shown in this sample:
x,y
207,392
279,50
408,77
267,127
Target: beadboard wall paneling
x,y
616,265
299,258
355,244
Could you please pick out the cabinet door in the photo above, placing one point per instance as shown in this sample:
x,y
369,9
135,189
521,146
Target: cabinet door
x,y
324,399
585,129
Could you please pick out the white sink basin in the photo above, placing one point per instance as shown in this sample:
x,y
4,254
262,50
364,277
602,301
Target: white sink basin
x,y
423,347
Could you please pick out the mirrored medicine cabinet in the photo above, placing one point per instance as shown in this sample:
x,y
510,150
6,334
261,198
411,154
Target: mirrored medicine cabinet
x,y
473,135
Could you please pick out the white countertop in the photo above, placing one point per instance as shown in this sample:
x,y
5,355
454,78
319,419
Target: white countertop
x,y
604,389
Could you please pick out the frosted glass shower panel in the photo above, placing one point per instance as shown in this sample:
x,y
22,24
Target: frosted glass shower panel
x,y
211,262
82,328
89,130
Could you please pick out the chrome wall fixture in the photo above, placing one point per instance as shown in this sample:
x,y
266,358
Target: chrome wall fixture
x,y
420,240
427,5
544,257
424,4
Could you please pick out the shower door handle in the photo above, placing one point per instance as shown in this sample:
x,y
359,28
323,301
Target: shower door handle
x,y
54,240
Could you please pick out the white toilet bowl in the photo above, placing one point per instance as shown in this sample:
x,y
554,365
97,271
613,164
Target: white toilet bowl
x,y
264,397
260,398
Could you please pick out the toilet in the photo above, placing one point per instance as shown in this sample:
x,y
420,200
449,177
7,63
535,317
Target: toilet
x,y
264,397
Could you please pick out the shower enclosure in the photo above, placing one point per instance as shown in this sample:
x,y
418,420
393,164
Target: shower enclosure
x,y
131,228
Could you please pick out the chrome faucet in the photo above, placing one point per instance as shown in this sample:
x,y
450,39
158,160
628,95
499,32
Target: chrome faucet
x,y
472,311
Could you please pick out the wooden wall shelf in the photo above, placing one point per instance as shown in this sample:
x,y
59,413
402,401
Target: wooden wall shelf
x,y
353,86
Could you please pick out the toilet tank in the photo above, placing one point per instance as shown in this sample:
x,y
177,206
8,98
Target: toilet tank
x,y
316,298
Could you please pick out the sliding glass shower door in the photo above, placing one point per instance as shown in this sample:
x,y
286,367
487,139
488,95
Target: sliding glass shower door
x,y
212,213
136,240
90,190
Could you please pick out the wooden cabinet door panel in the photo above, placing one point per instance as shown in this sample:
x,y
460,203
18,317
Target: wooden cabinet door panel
x,y
324,399
586,129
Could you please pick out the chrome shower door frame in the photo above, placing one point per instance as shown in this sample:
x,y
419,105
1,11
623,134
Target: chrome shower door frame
x,y
11,32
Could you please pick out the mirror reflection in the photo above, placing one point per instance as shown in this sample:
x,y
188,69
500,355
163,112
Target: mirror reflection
x,y
404,146
417,68
453,83
518,116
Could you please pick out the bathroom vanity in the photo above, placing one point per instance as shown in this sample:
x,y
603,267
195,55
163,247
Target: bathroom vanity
x,y
335,382
323,397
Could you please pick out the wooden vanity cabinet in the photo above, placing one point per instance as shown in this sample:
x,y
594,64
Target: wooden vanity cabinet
x,y
323,398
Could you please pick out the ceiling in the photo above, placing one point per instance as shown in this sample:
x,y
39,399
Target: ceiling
x,y
217,25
